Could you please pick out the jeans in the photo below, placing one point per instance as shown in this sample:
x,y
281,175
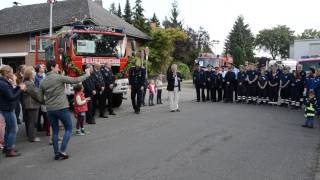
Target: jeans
x,y
11,128
309,121
64,116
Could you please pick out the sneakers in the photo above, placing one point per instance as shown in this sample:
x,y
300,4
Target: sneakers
x,y
79,133
61,156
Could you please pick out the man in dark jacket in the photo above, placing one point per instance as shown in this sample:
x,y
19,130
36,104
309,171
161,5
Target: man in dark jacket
x,y
99,87
230,80
89,91
210,82
108,77
9,95
199,80
137,78
174,79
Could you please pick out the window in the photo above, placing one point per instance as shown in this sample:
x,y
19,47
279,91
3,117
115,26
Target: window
x,y
42,43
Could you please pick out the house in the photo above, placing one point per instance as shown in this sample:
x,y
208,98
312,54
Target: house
x,y
19,25
305,48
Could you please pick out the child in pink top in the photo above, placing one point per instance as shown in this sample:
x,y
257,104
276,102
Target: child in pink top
x,y
152,92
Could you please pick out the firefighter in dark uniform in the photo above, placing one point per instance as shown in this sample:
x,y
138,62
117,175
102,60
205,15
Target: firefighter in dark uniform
x,y
199,80
252,77
230,80
219,84
137,78
285,80
295,90
241,81
99,87
263,87
273,91
90,92
303,76
107,94
210,80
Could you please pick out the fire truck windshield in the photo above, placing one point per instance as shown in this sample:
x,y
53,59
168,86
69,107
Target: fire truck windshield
x,y
98,45
307,64
204,62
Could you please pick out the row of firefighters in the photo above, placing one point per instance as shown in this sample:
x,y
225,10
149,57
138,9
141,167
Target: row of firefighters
x,y
249,84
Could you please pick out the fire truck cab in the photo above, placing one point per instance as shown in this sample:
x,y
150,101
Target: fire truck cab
x,y
206,59
74,46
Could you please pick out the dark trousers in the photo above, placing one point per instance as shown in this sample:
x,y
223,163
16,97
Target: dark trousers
x,y
213,94
106,95
295,96
98,103
151,95
235,87
208,93
241,92
273,94
220,93
89,114
18,111
252,92
228,93
30,121
285,93
159,93
136,97
46,124
203,97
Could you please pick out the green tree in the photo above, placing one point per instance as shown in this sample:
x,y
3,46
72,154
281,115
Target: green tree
x,y
155,20
162,47
174,17
127,12
309,34
204,44
119,11
276,41
240,37
238,56
112,8
139,21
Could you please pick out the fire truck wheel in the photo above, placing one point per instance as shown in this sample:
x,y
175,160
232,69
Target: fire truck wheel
x,y
117,100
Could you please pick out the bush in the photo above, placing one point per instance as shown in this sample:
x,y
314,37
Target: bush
x,y
184,70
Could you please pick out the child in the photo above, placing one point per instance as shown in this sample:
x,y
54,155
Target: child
x,y
152,92
310,109
159,89
80,108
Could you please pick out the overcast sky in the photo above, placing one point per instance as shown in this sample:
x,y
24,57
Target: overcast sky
x,y
218,16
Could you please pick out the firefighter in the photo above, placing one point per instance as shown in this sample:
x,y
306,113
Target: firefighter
x,y
273,86
310,82
241,81
210,82
199,80
99,87
252,77
219,84
230,80
107,94
285,80
303,76
90,92
209,79
296,86
137,78
263,87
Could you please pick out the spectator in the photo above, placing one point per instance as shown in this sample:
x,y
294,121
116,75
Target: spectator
x,y
89,91
80,108
30,104
174,87
19,75
53,89
40,75
10,94
159,87
152,92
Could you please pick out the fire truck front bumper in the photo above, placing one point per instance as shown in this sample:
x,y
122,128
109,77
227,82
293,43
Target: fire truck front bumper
x,y
121,86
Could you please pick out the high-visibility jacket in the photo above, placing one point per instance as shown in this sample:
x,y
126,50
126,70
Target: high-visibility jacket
x,y
310,108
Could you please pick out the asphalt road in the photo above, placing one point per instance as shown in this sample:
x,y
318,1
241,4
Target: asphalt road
x,y
206,141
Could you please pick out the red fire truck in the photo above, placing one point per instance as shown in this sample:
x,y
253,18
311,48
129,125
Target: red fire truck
x,y
74,46
206,59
